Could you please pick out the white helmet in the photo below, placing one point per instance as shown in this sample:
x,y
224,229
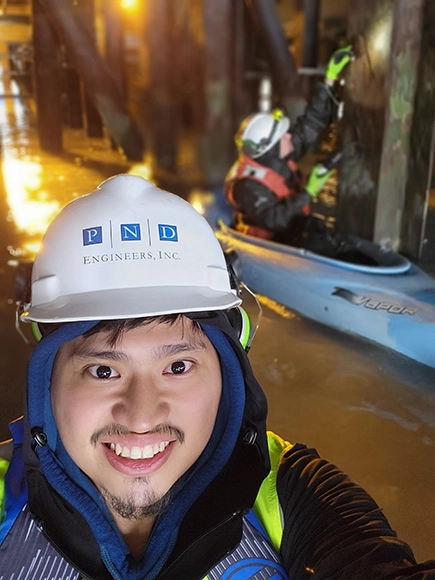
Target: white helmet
x,y
127,250
259,132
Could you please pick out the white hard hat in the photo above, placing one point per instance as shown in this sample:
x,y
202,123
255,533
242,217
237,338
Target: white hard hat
x,y
127,250
260,132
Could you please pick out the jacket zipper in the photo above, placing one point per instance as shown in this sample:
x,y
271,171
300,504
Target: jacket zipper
x,y
191,546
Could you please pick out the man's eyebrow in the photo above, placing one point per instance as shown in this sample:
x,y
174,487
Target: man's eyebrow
x,y
171,349
85,351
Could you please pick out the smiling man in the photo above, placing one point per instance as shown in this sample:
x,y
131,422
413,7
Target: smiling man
x,y
145,414
143,452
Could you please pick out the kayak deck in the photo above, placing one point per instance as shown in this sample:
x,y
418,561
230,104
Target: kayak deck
x,y
374,259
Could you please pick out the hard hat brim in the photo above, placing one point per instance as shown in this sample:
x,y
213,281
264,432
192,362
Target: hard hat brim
x,y
130,303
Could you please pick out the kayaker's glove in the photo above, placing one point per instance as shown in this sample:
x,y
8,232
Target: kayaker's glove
x,y
338,61
318,177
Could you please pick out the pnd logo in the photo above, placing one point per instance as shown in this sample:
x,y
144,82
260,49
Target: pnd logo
x,y
168,233
254,568
128,233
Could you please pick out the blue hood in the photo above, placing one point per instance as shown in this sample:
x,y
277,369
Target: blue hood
x,y
76,488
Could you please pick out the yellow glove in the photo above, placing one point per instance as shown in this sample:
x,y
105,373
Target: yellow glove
x,y
317,179
338,61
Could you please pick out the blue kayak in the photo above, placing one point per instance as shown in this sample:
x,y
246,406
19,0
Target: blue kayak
x,y
384,298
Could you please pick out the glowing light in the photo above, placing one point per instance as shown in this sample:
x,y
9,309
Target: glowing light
x,y
141,169
128,4
31,212
31,248
201,200
196,201
379,39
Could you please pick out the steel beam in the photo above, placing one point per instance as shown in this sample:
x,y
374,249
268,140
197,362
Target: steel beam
x,y
47,74
101,87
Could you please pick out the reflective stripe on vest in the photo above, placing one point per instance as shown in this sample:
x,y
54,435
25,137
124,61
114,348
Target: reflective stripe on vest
x,y
26,553
4,464
266,506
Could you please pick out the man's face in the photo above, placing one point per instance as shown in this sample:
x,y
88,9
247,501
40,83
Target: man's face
x,y
285,145
135,416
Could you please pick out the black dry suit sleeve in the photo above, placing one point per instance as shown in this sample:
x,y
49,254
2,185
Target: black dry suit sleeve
x,y
334,530
261,207
317,115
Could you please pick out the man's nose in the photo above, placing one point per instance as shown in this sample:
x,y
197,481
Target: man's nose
x,y
141,405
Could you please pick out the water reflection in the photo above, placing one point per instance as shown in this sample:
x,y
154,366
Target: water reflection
x,y
30,204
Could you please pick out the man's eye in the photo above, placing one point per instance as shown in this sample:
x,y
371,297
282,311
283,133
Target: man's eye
x,y
178,367
103,372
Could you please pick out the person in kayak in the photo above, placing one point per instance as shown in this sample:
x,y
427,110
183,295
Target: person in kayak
x,y
265,186
143,452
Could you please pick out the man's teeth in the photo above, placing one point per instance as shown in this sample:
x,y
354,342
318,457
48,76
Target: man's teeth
x,y
139,452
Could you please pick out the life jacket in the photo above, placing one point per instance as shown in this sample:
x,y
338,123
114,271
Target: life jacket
x,y
247,168
27,551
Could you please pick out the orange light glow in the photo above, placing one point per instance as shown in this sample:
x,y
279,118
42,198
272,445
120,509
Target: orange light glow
x,y
31,210
201,200
128,4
